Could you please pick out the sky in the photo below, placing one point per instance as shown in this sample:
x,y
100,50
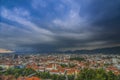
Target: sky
x,y
59,24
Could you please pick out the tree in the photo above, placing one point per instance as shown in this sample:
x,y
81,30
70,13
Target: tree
x,y
71,77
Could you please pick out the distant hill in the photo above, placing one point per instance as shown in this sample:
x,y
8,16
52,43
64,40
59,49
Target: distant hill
x,y
110,50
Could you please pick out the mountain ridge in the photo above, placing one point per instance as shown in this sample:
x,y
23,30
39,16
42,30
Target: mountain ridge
x,y
109,50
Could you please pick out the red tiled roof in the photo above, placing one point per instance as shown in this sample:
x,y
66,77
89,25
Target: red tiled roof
x,y
28,78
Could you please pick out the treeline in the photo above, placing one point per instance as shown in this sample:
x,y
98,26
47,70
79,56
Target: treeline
x,y
85,74
70,65
97,74
18,72
78,59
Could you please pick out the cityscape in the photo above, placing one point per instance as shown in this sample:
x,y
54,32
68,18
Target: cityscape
x,y
59,66
59,39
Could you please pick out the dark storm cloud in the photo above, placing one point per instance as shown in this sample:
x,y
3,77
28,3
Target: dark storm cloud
x,y
67,24
103,18
105,15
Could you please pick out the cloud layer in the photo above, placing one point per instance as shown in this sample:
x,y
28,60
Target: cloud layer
x,y
59,25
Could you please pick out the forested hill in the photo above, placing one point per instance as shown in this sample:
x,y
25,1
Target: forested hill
x,y
111,50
